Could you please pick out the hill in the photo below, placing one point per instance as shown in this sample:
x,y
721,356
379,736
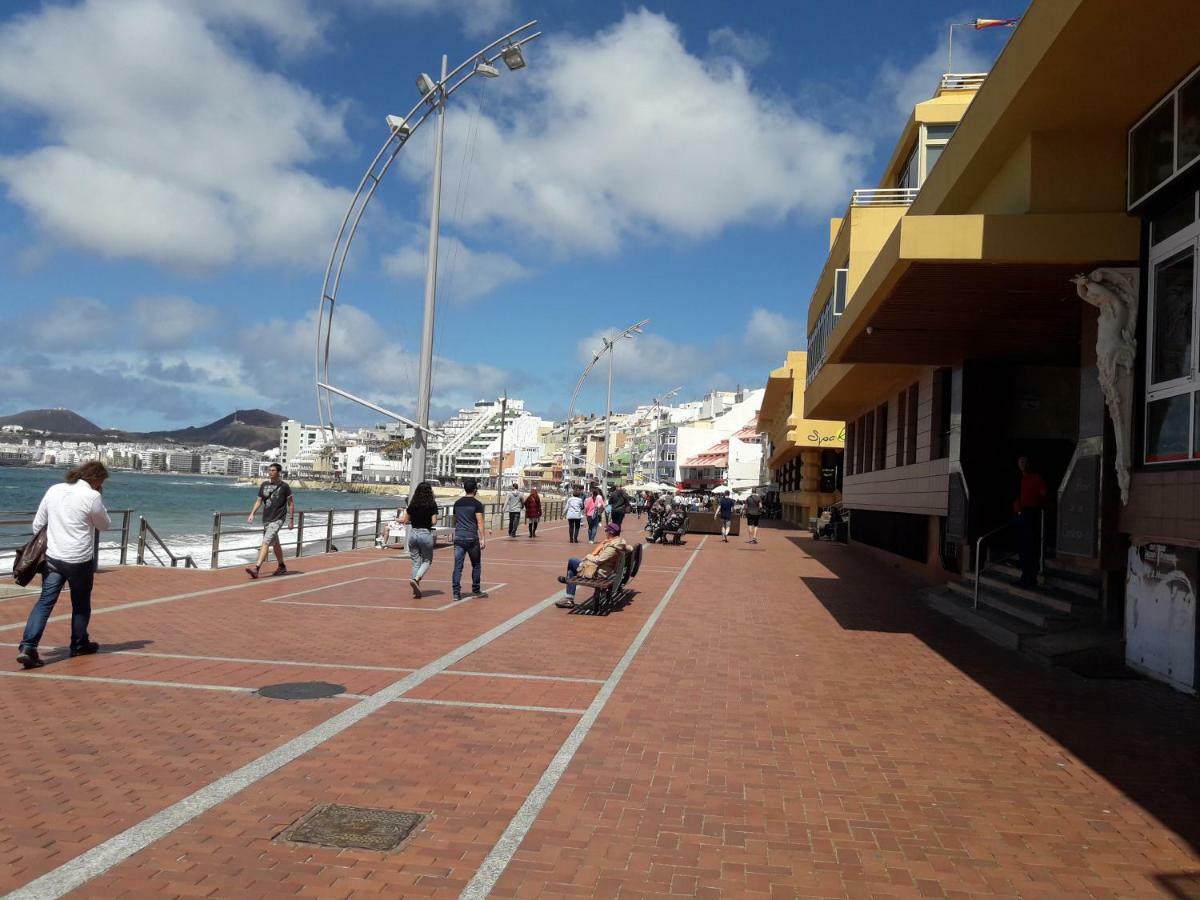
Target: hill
x,y
255,429
57,421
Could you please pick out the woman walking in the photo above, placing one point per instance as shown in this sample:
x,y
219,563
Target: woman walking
x,y
420,516
573,511
71,513
593,508
533,511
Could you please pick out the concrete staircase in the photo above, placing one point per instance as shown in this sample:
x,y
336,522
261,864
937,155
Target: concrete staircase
x,y
1056,623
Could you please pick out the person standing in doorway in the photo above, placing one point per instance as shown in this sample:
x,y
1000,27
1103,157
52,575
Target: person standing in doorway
x,y
513,504
573,512
754,508
724,512
275,498
71,513
618,501
468,540
533,511
420,516
593,508
1031,500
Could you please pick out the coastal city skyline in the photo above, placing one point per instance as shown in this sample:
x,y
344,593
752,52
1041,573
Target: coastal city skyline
x,y
197,270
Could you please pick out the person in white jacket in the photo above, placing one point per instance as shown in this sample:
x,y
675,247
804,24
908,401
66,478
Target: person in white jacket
x,y
71,513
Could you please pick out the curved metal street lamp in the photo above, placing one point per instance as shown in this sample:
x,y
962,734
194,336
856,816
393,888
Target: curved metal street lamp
x,y
569,455
434,95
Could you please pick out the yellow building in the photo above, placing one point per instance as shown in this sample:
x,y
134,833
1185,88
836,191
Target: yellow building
x,y
946,329
804,456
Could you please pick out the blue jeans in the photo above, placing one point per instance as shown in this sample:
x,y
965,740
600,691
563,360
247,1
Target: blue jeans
x,y
420,550
79,576
593,526
572,569
471,549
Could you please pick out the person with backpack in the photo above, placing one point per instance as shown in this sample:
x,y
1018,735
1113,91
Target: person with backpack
x,y
533,511
619,503
754,508
71,513
593,508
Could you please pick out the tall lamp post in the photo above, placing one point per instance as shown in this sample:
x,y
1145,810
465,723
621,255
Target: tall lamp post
x,y
630,332
434,95
658,403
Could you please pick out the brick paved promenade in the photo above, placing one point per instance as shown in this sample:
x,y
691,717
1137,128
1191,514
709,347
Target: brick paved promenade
x,y
775,720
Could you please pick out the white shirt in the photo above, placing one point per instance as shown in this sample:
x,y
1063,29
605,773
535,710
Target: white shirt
x,y
71,514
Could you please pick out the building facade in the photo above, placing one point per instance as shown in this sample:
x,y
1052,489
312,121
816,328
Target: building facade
x,y
951,330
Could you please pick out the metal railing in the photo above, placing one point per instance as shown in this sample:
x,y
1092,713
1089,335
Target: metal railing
x,y
962,81
323,530
883,196
981,566
150,542
18,525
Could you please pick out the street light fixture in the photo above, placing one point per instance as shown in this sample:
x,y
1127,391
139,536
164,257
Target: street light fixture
x,y
434,95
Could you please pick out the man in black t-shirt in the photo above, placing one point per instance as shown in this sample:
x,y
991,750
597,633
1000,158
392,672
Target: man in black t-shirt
x,y
275,498
619,501
468,540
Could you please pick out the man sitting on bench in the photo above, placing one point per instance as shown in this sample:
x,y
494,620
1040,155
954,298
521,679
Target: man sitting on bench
x,y
597,565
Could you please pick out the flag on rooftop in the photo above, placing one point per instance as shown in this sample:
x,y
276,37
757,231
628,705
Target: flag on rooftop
x,y
996,23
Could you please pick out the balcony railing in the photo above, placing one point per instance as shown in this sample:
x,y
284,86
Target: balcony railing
x,y
962,81
883,197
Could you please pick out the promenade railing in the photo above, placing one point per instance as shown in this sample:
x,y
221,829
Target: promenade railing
x,y
16,528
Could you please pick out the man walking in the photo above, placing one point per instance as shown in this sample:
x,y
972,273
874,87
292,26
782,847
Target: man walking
x,y
1031,498
468,540
725,514
71,513
513,504
618,500
754,508
275,498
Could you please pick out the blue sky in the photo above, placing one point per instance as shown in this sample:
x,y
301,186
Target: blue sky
x,y
172,173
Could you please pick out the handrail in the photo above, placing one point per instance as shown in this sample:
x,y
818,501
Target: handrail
x,y
145,529
25,518
883,196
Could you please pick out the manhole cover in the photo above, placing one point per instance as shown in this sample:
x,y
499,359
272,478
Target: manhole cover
x,y
354,826
302,690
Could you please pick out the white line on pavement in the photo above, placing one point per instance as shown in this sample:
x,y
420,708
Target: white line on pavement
x,y
509,706
502,853
88,865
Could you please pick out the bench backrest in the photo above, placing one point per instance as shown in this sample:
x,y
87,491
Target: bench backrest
x,y
636,563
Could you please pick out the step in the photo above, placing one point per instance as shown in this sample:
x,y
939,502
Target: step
x,y
1059,580
1050,597
995,626
1091,644
1029,611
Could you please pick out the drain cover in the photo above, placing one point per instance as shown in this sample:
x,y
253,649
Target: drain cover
x,y
354,826
302,690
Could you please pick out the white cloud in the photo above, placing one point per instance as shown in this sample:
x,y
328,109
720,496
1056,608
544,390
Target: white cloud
x,y
770,335
463,273
162,143
903,88
70,323
580,161
743,46
167,322
486,18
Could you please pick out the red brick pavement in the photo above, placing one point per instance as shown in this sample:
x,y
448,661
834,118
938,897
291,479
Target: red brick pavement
x,y
793,726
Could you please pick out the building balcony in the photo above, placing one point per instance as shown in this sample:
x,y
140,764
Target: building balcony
x,y
883,196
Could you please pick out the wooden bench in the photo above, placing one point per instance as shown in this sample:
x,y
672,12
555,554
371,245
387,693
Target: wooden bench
x,y
608,591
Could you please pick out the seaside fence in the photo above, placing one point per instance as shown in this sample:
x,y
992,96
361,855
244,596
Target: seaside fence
x,y
16,528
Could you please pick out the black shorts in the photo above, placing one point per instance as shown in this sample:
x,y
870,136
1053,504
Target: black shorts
x,y
752,520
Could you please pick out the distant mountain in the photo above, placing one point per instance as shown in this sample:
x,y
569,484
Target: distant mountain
x,y
59,421
255,429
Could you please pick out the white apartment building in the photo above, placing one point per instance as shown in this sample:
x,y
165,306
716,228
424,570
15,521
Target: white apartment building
x,y
295,437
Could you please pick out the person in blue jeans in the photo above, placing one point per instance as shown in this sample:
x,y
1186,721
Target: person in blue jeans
x,y
71,513
420,515
593,510
468,540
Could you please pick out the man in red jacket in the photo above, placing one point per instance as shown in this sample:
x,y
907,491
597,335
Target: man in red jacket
x,y
1031,499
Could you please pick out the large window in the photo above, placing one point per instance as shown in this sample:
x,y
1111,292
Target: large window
x,y
1172,364
1166,140
931,141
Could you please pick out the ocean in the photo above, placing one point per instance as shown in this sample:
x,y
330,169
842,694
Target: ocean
x,y
180,509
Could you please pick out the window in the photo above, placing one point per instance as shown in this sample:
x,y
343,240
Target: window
x,y
909,175
851,432
914,402
901,425
881,426
943,388
1172,416
868,448
936,138
1166,141
839,291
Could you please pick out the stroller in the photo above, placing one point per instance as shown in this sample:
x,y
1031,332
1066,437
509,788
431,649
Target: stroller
x,y
656,521
674,525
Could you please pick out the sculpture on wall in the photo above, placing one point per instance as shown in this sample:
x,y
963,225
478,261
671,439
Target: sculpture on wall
x,y
1114,292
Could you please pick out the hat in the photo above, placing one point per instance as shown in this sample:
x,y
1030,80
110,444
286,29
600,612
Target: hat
x,y
612,528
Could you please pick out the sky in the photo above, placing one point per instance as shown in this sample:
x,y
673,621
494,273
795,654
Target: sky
x,y
173,174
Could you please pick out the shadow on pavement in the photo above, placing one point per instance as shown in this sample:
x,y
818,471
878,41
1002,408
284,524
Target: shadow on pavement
x,y
1140,735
